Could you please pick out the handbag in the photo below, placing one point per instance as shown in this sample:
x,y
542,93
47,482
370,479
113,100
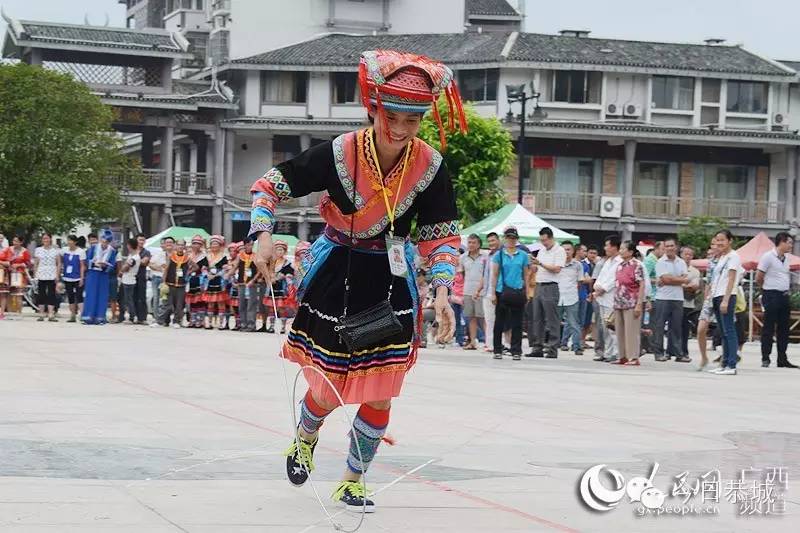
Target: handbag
x,y
510,296
371,325
610,321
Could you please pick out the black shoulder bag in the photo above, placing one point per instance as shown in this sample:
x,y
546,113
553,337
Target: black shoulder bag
x,y
371,325
510,296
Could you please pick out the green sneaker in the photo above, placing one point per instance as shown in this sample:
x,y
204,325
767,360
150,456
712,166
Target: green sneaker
x,y
300,461
354,497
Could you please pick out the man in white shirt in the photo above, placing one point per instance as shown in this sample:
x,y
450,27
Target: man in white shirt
x,y
605,289
130,269
775,279
545,319
692,296
158,262
569,303
671,276
472,265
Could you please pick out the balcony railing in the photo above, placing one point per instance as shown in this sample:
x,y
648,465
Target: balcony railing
x,y
143,179
562,203
685,207
191,182
664,207
155,180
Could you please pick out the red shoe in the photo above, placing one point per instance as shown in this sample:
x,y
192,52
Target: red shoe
x,y
622,361
633,362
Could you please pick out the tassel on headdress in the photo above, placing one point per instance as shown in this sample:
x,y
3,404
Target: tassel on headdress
x,y
409,83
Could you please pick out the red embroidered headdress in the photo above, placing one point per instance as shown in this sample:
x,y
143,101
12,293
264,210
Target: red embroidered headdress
x,y
409,83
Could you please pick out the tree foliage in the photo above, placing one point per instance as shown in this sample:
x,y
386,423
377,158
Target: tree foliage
x,y
57,150
476,160
699,231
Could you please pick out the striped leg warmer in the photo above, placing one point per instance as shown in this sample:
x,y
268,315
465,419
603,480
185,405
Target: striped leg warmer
x,y
311,414
368,427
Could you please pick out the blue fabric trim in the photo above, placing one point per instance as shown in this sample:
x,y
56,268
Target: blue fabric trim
x,y
402,107
318,254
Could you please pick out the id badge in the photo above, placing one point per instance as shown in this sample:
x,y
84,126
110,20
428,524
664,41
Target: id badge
x,y
179,273
69,269
395,249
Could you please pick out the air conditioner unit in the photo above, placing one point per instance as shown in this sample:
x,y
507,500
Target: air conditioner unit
x,y
779,122
614,110
632,110
611,206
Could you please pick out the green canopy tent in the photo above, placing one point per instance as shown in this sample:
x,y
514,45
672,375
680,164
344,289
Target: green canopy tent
x,y
176,232
527,224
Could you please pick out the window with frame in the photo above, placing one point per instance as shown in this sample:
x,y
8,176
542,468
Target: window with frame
x,y
727,182
747,97
673,92
345,88
585,176
652,179
479,85
284,87
577,86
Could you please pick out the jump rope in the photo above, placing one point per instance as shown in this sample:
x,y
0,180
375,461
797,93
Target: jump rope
x,y
292,397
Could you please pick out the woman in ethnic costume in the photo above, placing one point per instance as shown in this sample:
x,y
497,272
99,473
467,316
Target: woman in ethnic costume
x,y
15,261
198,271
277,300
397,89
215,296
101,267
231,286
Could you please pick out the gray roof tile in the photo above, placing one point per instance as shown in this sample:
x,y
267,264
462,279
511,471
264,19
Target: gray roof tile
x,y
476,8
584,50
795,65
339,50
345,50
101,36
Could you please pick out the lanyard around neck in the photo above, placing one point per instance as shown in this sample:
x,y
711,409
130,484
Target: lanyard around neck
x,y
390,211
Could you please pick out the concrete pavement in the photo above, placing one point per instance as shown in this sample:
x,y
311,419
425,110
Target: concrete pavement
x,y
133,429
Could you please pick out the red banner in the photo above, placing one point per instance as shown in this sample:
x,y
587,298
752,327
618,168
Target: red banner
x,y
543,161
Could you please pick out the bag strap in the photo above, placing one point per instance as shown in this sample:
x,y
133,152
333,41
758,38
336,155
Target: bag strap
x,y
353,241
352,237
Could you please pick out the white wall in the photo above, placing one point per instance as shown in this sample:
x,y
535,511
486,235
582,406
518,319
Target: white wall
x,y
426,16
248,165
745,123
252,94
486,109
284,110
261,25
626,89
354,111
667,119
510,76
319,94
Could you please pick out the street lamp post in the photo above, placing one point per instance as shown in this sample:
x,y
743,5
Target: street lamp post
x,y
516,93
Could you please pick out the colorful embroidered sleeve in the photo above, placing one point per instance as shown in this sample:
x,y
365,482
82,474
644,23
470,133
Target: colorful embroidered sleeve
x,y
308,172
268,191
438,226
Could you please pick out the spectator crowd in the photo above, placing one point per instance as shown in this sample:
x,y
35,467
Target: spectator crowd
x,y
561,296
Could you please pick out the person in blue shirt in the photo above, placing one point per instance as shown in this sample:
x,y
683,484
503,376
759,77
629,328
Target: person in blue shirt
x,y
510,272
74,274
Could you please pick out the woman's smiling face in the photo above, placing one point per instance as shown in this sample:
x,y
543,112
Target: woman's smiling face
x,y
401,128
